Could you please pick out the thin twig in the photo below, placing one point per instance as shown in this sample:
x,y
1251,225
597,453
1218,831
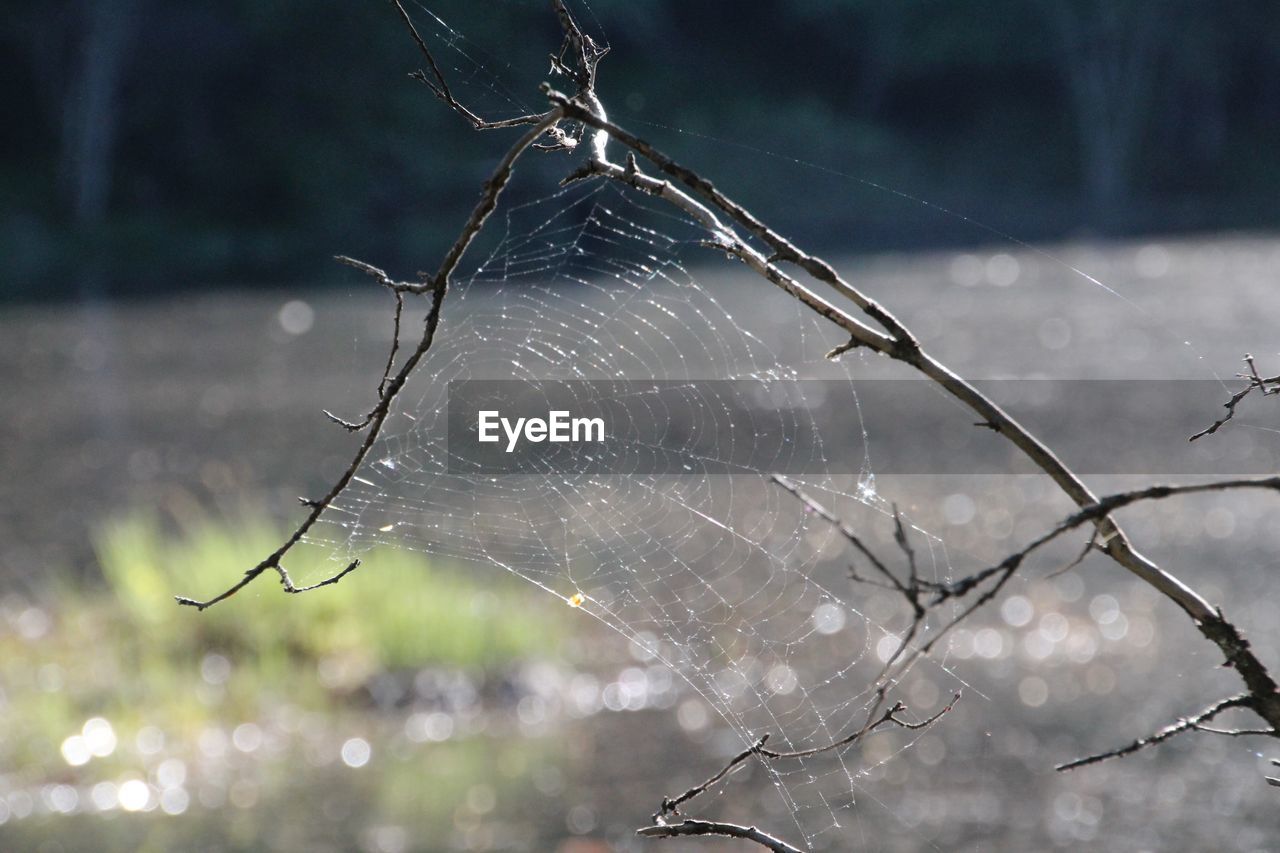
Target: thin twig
x,y
1267,387
1005,569
1183,725
438,286
440,87
724,239
398,289
890,716
1210,730
707,827
851,535
900,536
671,805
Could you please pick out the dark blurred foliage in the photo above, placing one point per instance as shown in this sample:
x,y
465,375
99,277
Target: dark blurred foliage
x,y
157,147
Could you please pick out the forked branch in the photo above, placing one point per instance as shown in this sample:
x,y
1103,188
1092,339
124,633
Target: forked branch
x,y
689,827
1186,724
586,55
1265,387
698,196
1001,573
671,806
434,80
436,286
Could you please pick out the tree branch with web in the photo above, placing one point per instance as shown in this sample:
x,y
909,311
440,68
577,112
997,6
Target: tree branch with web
x,y
875,720
581,68
1254,382
733,230
915,591
898,343
436,286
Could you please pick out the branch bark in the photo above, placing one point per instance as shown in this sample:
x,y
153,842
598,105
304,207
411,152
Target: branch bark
x,y
437,286
717,828
898,343
707,827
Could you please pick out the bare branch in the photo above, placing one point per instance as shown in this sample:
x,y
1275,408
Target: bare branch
x,y
1256,677
382,277
587,53
890,716
1183,725
765,252
724,239
440,87
900,345
812,506
1100,508
398,289
437,286
1210,730
1110,503
706,827
671,806
1266,387
900,536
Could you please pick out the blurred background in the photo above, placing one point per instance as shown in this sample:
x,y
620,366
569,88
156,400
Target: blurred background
x,y
171,324
163,148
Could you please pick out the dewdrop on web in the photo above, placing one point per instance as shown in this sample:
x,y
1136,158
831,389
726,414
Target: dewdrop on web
x,y
576,600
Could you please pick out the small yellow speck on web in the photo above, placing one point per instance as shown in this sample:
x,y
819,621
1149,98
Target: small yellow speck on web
x,y
386,528
576,599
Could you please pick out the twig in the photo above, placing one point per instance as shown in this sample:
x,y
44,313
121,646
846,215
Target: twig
x,y
900,536
1182,725
671,806
812,506
1098,509
1210,730
724,239
912,590
438,286
890,716
1257,680
440,87
1267,387
398,289
707,827
587,53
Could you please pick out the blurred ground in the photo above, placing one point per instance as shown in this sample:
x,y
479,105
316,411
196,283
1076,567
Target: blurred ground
x,y
214,402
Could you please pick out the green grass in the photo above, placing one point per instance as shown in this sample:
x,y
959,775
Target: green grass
x,y
124,650
397,610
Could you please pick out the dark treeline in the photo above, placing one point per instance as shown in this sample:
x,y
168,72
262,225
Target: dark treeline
x,y
157,147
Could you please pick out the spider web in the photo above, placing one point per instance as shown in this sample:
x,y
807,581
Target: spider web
x,y
724,578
